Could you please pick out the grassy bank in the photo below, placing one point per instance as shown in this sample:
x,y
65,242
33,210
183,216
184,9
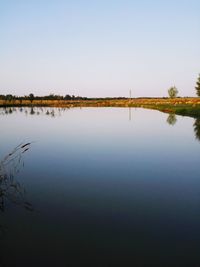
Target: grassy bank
x,y
180,106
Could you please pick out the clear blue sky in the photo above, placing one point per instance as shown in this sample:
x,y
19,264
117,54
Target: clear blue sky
x,y
99,48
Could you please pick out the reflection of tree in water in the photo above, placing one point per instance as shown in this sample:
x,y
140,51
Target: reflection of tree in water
x,y
171,120
197,128
32,112
49,111
10,189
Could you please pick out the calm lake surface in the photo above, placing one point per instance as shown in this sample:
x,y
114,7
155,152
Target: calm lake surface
x,y
100,187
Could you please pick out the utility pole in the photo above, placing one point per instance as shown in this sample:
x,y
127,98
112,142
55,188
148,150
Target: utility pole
x,y
130,94
129,107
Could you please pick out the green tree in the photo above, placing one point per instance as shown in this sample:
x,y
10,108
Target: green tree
x,y
173,92
9,97
67,97
198,86
31,97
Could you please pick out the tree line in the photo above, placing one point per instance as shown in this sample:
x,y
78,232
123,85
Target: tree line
x,y
31,97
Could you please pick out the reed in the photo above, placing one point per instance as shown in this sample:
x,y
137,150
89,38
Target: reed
x,y
10,189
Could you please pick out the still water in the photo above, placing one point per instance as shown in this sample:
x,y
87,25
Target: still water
x,y
99,187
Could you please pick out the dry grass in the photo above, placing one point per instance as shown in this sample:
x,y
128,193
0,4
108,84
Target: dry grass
x,y
104,102
182,106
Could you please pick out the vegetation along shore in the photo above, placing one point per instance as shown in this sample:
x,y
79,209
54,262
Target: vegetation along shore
x,y
180,106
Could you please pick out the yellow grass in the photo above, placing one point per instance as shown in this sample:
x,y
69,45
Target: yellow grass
x,y
104,102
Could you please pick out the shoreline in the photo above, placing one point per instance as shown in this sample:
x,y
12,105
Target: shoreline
x,y
180,106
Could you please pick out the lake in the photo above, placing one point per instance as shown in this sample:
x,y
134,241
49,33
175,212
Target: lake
x,y
99,187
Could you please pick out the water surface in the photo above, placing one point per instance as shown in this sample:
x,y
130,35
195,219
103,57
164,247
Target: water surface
x,y
108,187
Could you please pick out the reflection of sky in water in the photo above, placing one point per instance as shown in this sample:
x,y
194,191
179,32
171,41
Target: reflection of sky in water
x,y
108,184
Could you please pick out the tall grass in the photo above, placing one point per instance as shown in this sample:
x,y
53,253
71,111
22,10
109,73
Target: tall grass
x,y
10,189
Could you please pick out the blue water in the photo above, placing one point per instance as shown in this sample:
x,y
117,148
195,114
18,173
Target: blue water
x,y
108,187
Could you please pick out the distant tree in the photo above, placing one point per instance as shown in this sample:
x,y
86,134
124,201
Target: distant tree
x,y
9,97
173,92
48,97
198,86
31,97
67,97
52,97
